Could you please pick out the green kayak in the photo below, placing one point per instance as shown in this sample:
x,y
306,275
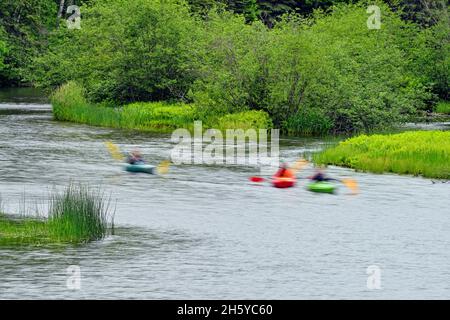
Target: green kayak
x,y
145,168
322,187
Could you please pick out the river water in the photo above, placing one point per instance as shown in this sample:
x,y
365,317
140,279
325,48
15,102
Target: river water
x,y
206,232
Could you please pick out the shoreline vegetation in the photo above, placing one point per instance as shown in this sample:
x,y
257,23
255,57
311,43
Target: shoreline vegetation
x,y
77,215
70,104
162,65
418,153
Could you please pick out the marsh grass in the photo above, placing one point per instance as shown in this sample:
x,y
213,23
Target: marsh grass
x,y
14,231
79,214
69,104
443,107
424,153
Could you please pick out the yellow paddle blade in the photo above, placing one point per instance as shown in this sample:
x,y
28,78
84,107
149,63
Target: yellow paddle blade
x,y
351,184
163,167
299,165
114,151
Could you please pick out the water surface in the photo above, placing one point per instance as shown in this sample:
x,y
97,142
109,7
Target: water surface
x,y
206,232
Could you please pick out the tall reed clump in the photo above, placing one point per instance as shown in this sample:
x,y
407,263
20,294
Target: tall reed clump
x,y
79,214
443,107
70,104
425,153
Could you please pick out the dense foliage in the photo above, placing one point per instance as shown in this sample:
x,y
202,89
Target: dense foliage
x,y
311,71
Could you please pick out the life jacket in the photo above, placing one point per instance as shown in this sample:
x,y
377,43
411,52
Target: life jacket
x,y
284,173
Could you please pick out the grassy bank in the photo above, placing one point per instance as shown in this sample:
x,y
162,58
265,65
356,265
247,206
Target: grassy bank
x,y
425,153
76,215
443,107
69,104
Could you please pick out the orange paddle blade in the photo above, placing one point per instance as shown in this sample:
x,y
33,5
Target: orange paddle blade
x,y
299,165
351,184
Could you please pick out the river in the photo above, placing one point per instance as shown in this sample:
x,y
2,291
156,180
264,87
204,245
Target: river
x,y
206,232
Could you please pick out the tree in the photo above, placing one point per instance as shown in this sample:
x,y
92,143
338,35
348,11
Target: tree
x,y
26,24
3,50
248,8
424,12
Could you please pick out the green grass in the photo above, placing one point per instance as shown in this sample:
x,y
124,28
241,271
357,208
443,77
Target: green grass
x,y
443,107
69,104
424,153
23,231
307,123
77,215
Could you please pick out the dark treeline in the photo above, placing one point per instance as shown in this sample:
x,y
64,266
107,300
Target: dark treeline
x,y
308,64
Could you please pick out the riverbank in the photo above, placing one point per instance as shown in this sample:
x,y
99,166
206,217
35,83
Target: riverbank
x,y
419,153
443,107
70,104
77,215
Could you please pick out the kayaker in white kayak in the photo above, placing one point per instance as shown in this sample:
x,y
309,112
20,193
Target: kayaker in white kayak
x,y
135,157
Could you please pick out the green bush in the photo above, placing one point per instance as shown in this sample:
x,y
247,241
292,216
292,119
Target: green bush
x,y
3,49
333,65
125,51
329,64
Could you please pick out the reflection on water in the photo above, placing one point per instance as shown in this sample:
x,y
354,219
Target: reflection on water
x,y
207,232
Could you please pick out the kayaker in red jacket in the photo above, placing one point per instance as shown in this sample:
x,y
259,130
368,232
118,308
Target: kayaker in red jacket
x,y
284,171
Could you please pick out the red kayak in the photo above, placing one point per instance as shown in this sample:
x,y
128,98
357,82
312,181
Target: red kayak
x,y
283,182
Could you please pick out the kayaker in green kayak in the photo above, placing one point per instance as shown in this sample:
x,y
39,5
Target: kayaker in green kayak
x,y
135,157
320,176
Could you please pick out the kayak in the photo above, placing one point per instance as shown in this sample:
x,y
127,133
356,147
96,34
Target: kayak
x,y
322,187
145,168
283,182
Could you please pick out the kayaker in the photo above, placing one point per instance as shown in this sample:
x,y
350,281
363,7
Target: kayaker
x,y
284,171
135,157
320,175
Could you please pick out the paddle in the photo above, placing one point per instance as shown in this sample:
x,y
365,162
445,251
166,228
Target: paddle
x,y
114,150
351,184
298,165
163,167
